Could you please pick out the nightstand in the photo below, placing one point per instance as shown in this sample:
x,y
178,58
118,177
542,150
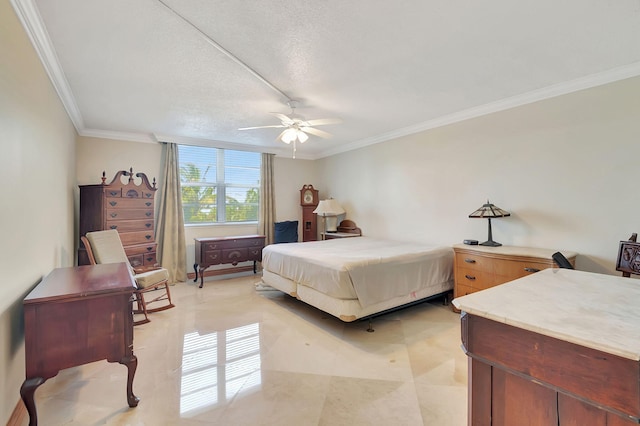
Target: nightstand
x,y
478,267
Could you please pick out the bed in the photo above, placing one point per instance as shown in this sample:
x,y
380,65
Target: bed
x,y
358,277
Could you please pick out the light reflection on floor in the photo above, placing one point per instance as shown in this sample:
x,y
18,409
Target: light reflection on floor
x,y
216,366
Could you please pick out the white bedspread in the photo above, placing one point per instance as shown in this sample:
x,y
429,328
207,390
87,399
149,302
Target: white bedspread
x,y
368,269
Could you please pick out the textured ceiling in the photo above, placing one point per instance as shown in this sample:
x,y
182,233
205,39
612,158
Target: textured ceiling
x,y
136,70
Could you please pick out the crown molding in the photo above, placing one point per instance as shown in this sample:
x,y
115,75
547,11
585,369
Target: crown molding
x,y
28,14
587,82
284,152
120,136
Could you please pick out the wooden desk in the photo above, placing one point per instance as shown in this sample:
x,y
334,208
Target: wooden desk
x,y
76,316
221,250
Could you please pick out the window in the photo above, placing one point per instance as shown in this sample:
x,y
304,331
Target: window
x,y
219,185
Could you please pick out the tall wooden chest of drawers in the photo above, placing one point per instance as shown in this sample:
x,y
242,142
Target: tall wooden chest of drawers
x,y
478,267
127,205
222,250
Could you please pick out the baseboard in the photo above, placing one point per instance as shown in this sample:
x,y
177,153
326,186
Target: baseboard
x,y
19,415
223,271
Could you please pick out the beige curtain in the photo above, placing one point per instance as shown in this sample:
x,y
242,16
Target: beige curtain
x,y
267,215
172,251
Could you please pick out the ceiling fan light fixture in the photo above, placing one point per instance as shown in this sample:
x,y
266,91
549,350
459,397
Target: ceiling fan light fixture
x,y
302,136
289,136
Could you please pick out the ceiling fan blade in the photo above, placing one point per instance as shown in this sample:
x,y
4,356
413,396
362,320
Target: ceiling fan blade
x,y
316,132
285,119
323,121
261,127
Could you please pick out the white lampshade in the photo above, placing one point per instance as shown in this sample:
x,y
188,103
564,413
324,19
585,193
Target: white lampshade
x,y
289,136
302,136
329,207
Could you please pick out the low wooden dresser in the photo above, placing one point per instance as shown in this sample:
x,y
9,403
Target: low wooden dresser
x,y
478,267
224,250
76,316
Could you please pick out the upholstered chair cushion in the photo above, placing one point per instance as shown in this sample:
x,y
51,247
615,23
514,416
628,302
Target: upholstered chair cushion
x,y
150,278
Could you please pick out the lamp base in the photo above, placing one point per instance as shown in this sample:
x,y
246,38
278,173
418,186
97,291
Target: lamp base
x,y
490,243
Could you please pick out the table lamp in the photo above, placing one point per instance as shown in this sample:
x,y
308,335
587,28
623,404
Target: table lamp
x,y
329,208
489,211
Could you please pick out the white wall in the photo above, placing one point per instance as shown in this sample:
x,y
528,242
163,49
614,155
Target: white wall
x,y
37,169
565,168
95,155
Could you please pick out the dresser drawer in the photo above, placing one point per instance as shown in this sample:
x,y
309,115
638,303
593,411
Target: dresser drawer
x,y
129,203
235,255
216,245
475,262
149,259
229,244
255,253
130,225
136,260
213,257
140,249
479,280
113,192
519,269
129,214
140,237
463,290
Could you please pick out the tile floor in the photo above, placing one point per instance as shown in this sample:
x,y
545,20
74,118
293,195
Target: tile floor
x,y
231,355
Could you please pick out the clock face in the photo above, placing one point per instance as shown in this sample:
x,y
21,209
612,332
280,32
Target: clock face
x,y
308,197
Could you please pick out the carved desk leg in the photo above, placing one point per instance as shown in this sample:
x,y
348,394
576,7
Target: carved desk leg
x,y
132,363
27,391
201,277
195,268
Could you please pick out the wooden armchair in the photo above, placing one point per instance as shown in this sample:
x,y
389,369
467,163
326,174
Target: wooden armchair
x,y
629,257
106,247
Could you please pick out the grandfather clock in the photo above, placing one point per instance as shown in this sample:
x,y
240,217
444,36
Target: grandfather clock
x,y
309,201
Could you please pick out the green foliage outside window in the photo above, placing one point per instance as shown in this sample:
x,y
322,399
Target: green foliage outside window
x,y
207,173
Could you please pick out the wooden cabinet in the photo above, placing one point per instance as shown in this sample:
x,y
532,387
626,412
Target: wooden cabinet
x,y
478,267
127,204
227,250
519,377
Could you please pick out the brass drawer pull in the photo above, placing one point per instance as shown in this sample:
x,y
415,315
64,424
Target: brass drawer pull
x,y
470,261
470,277
532,270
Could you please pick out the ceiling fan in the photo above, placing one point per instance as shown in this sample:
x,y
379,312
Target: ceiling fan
x,y
296,128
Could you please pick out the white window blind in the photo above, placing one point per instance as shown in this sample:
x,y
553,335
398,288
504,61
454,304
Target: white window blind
x,y
219,185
